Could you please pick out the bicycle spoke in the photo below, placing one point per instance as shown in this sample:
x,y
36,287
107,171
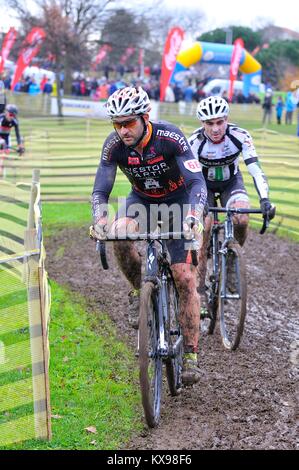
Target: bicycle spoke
x,y
232,298
174,338
149,359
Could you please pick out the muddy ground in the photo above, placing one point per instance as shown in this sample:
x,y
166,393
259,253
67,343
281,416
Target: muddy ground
x,y
246,399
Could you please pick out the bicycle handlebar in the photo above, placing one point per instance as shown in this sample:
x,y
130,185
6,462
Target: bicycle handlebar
x,y
101,248
240,210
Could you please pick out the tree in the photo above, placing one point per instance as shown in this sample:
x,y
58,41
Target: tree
x,y
123,29
69,25
278,59
251,38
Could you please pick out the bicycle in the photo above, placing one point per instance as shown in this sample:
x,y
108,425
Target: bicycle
x,y
225,282
160,339
5,150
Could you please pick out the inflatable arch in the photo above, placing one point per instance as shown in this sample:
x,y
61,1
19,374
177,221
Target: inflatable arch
x,y
214,53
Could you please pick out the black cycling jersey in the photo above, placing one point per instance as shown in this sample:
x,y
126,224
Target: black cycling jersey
x,y
166,168
6,126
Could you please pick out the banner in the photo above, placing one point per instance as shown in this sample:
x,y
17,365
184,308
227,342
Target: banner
x,y
31,47
7,46
234,65
172,47
128,52
101,55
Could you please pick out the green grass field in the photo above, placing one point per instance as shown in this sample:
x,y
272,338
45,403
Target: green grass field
x,y
93,374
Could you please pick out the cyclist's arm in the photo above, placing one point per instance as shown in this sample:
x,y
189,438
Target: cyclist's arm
x,y
252,162
18,135
104,180
190,169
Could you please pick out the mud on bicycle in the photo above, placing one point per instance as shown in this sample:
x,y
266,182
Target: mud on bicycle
x,y
225,281
160,338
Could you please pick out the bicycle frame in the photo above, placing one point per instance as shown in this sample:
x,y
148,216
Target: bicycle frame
x,y
157,271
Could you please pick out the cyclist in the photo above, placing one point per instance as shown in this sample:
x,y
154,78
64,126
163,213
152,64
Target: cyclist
x,y
158,162
8,120
217,145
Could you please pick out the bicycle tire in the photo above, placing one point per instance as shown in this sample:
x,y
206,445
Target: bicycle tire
x,y
209,317
150,363
174,337
233,309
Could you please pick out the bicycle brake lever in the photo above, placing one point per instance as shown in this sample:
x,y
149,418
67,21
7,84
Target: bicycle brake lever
x,y
265,224
101,248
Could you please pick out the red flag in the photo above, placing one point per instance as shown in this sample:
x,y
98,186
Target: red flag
x,y
172,47
128,52
32,45
101,55
6,47
234,65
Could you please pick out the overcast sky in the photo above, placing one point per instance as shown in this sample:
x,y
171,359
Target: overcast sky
x,y
220,13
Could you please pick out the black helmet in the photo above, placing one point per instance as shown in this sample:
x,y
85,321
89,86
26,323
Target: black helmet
x,y
12,109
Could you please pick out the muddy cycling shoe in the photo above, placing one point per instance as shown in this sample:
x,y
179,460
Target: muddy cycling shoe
x,y
134,303
191,372
231,275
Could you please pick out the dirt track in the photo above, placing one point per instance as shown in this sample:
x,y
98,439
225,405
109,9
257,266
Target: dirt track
x,y
244,400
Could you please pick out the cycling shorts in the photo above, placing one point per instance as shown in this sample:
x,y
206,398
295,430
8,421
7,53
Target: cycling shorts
x,y
229,191
172,213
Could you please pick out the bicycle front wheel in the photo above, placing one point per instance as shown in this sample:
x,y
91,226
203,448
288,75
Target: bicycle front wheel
x,y
174,337
209,315
150,362
232,297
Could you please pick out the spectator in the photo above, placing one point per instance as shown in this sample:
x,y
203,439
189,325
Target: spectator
x,y
279,109
178,95
290,106
33,88
169,95
48,88
189,92
43,82
2,97
267,106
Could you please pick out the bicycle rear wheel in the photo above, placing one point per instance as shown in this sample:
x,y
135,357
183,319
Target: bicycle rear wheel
x,y
232,297
174,337
150,362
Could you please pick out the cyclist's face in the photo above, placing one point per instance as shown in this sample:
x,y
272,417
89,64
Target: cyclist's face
x,y
9,116
215,128
129,128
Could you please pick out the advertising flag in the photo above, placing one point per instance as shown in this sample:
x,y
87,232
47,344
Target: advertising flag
x,y
128,52
7,46
172,47
234,65
101,55
31,47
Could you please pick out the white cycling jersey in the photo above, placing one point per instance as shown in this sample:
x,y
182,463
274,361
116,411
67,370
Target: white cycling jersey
x,y
220,162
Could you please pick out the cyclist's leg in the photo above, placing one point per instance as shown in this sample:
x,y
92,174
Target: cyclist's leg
x,y
235,195
129,219
202,256
185,278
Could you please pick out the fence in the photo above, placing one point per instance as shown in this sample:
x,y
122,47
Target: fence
x,y
24,317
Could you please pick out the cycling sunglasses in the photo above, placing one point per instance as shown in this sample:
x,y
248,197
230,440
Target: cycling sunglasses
x,y
129,124
11,115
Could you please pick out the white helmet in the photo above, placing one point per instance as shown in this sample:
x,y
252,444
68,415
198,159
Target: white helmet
x,y
127,101
213,107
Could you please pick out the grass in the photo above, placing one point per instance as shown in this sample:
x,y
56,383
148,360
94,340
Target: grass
x,y
93,381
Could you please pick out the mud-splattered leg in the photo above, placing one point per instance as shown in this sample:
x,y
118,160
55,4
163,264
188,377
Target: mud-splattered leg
x,y
185,277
